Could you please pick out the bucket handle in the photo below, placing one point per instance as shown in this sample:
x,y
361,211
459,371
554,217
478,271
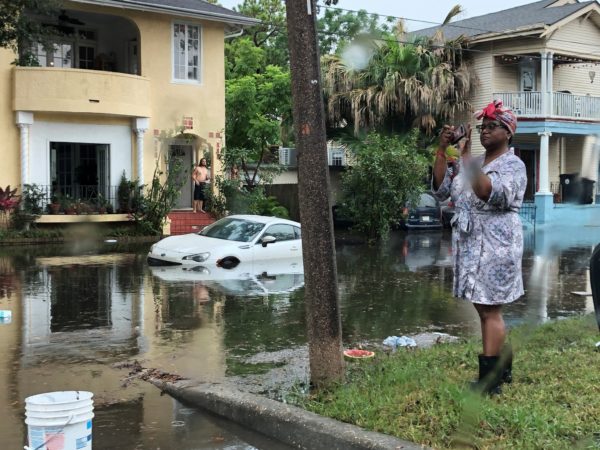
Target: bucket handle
x,y
52,437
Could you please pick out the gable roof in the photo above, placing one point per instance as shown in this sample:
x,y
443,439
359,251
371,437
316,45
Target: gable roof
x,y
186,8
531,16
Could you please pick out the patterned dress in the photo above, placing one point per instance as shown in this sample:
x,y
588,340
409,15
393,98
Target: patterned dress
x,y
487,237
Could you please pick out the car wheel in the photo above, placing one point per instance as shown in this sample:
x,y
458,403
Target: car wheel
x,y
229,262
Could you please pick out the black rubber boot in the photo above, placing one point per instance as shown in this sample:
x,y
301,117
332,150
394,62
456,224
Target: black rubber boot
x,y
491,375
506,361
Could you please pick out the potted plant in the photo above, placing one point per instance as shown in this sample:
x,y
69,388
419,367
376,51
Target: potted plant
x,y
124,194
67,204
101,204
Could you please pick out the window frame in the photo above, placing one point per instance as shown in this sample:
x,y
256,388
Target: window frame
x,y
187,24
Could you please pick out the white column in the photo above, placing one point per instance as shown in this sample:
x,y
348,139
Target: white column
x,y
544,169
544,80
24,120
550,74
140,125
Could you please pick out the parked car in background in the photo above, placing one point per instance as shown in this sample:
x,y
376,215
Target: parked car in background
x,y
426,214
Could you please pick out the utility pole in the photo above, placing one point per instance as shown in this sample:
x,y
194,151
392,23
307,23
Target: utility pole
x,y
318,249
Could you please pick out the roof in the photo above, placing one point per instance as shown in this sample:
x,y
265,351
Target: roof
x,y
187,8
532,15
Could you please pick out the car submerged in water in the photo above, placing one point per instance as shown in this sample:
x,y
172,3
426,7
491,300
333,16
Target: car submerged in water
x,y
230,241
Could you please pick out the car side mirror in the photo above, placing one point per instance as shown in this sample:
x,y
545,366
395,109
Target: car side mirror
x,y
268,240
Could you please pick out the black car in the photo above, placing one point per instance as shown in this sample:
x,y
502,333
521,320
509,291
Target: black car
x,y
427,214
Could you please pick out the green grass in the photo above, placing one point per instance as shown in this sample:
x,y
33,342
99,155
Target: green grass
x,y
422,395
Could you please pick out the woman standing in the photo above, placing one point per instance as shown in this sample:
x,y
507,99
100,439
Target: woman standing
x,y
487,237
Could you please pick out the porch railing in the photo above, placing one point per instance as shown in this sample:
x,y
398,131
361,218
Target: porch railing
x,y
564,105
522,103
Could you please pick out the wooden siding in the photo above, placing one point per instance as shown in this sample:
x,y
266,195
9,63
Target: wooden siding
x,y
573,153
576,79
578,37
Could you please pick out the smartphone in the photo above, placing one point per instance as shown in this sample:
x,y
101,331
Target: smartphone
x,y
458,133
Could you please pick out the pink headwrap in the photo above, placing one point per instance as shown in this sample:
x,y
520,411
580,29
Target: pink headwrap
x,y
495,111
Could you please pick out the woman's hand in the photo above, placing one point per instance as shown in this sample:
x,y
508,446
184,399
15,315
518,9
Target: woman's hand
x,y
445,137
465,144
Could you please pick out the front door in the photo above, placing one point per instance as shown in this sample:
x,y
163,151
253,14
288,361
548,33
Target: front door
x,y
528,157
184,152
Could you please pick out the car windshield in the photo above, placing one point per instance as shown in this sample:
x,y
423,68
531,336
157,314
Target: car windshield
x,y
230,229
427,201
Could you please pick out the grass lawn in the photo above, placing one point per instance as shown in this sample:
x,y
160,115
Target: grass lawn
x,y
422,395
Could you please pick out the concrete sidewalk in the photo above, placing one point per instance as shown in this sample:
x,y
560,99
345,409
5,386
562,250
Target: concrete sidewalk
x,y
288,424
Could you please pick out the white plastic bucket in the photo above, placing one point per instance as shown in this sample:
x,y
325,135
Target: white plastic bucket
x,y
60,420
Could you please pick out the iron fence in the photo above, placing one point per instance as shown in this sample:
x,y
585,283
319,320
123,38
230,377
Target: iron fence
x,y
92,195
528,212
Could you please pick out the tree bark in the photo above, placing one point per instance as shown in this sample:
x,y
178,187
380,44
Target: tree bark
x,y
320,271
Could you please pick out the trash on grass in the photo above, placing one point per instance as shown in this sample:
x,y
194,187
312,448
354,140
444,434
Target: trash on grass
x,y
358,353
403,341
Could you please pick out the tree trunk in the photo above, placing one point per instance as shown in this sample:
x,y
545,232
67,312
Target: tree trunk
x,y
321,295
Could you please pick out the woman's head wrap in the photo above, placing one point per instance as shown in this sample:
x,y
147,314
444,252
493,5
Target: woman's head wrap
x,y
495,111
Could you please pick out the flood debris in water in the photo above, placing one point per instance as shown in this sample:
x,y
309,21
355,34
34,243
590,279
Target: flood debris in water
x,y
138,372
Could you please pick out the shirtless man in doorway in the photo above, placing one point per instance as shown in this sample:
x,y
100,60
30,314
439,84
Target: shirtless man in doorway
x,y
200,176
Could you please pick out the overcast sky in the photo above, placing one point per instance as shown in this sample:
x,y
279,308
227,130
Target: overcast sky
x,y
429,10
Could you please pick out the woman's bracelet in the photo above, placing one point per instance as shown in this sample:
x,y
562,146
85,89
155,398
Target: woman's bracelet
x,y
441,153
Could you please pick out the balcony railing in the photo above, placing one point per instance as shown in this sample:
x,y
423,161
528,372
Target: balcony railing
x,y
564,105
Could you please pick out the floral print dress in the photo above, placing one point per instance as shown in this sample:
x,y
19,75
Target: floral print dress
x,y
487,237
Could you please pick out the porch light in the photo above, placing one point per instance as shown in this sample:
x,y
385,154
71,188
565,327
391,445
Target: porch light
x,y
592,74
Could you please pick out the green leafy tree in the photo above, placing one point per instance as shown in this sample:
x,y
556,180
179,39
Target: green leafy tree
x,y
337,28
271,33
21,27
386,173
258,108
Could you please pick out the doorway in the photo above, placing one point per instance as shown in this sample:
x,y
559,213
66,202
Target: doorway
x,y
528,156
184,152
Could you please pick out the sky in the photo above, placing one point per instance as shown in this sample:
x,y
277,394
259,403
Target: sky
x,y
429,10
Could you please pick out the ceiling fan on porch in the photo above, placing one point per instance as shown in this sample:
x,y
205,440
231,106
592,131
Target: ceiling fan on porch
x,y
64,18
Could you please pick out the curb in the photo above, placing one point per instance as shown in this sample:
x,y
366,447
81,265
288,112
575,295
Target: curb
x,y
288,424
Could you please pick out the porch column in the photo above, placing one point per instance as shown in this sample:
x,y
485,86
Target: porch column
x,y
544,80
543,197
140,126
550,75
24,120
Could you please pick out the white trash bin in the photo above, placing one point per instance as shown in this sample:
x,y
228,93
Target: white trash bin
x,y
59,420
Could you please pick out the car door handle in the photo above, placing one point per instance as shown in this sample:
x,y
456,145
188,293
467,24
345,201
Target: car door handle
x,y
294,249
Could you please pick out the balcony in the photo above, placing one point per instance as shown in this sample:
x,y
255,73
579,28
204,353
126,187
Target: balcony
x,y
66,90
563,105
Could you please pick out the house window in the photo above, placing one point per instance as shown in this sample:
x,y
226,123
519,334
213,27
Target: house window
x,y
337,157
80,170
54,55
76,48
186,52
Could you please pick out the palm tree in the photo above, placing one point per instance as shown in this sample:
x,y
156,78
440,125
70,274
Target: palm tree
x,y
414,83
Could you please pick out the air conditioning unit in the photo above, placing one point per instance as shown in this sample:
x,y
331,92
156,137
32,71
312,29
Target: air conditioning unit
x,y
288,157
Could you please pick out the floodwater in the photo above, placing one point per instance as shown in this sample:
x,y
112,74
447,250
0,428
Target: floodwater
x,y
79,310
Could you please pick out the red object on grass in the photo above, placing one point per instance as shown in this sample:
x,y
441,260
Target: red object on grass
x,y
357,353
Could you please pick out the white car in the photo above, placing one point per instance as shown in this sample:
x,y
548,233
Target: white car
x,y
230,241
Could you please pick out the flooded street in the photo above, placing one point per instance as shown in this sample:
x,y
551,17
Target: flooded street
x,y
78,311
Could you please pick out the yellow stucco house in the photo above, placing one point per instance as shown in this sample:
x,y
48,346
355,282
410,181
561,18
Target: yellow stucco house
x,y
121,73
543,60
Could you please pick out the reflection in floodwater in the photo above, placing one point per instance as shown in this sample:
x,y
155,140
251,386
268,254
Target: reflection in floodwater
x,y
75,314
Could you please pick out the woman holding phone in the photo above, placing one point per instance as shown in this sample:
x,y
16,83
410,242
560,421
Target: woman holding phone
x,y
487,239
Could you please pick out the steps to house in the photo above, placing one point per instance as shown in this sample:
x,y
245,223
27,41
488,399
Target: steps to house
x,y
184,222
